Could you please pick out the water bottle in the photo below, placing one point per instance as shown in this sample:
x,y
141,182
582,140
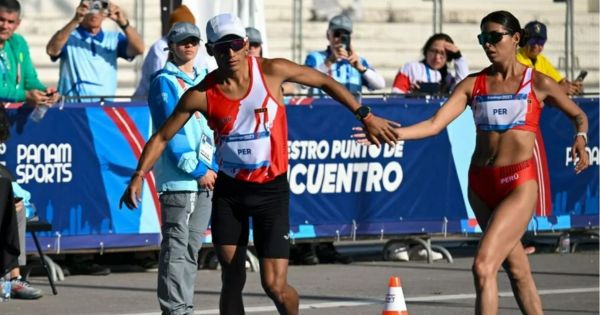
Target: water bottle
x,y
6,289
565,244
39,112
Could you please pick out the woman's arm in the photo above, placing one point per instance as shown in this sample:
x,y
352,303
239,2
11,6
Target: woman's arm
x,y
447,113
547,89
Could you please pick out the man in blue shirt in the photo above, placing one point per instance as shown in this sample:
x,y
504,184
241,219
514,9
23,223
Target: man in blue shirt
x,y
88,54
341,62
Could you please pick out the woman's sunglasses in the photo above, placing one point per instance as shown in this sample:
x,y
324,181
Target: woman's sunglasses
x,y
491,37
190,40
223,47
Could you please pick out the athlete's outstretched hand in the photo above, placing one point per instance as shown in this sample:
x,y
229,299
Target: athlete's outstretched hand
x,y
132,194
378,128
364,137
578,151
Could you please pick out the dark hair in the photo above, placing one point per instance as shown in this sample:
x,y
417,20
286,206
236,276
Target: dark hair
x,y
432,39
509,22
444,70
4,124
10,5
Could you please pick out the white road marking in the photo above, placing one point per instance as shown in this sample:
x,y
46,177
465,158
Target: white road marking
x,y
430,298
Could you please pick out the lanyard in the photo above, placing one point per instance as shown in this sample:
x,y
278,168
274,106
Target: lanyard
x,y
427,72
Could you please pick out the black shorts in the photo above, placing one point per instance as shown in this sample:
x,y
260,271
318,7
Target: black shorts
x,y
235,201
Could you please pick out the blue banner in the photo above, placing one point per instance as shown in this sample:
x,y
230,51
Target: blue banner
x,y
340,187
76,162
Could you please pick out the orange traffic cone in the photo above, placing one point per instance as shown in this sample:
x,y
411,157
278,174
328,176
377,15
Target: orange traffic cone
x,y
394,300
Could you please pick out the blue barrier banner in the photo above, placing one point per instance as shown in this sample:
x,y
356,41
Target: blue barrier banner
x,y
575,197
76,162
341,187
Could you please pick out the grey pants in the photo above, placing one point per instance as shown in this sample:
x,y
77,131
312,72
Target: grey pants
x,y
22,225
185,217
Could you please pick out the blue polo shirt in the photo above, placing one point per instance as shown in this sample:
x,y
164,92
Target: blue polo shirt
x,y
341,71
88,63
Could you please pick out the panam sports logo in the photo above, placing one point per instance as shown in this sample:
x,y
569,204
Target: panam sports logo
x,y
44,163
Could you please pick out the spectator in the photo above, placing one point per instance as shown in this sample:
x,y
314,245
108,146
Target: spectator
x,y
438,51
88,54
157,54
256,50
531,56
255,40
20,288
185,173
19,82
341,62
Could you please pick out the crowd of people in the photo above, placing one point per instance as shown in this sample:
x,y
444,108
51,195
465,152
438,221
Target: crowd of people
x,y
227,163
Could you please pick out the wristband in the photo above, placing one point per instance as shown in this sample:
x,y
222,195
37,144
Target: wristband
x,y
123,27
583,135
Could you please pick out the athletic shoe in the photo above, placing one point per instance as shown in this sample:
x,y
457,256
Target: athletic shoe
x,y
21,289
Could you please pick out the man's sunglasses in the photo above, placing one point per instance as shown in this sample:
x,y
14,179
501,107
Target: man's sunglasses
x,y
223,47
340,33
491,37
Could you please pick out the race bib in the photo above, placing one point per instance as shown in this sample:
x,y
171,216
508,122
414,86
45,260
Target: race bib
x,y
500,112
249,151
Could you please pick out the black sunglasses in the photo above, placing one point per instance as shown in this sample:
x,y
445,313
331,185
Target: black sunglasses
x,y
491,37
190,40
339,33
223,47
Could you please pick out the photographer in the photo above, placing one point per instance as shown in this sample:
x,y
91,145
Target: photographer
x,y
431,75
341,62
88,54
19,82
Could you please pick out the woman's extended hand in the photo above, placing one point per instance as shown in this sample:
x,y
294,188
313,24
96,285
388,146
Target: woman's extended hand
x,y
578,151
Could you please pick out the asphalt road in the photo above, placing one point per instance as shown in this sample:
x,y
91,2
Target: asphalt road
x,y
568,284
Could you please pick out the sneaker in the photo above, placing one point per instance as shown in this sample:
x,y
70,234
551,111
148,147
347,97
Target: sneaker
x,y
21,289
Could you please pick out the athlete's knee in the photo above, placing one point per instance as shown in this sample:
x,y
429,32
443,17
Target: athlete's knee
x,y
484,268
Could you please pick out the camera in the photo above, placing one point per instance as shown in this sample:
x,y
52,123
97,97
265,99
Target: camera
x,y
581,75
345,40
97,6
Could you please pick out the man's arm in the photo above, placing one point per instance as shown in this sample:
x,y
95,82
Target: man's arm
x,y
135,44
28,72
162,101
281,70
193,100
60,38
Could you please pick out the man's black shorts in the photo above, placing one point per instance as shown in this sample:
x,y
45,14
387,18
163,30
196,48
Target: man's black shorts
x,y
235,201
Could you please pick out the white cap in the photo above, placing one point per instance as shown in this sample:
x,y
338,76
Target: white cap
x,y
222,25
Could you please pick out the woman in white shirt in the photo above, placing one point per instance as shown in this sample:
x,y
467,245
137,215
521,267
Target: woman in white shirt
x,y
438,51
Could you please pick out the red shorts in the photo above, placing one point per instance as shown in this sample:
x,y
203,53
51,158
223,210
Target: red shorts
x,y
492,184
